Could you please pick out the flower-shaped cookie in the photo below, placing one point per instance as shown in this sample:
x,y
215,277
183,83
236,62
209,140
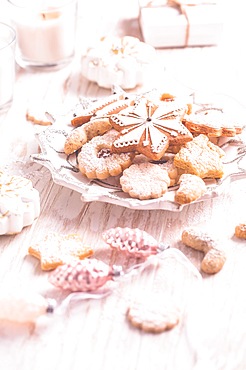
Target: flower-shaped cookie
x,y
121,61
55,250
19,203
149,128
145,181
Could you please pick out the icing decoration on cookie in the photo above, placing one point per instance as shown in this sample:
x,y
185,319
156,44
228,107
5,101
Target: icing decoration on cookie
x,y
24,307
119,61
56,249
149,129
135,242
155,179
19,203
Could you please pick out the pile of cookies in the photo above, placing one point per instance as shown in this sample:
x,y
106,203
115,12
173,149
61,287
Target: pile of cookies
x,y
151,141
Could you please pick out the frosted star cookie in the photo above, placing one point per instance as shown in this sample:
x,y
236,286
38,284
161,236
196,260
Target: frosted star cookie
x,y
122,61
145,181
149,128
97,161
55,250
19,203
201,157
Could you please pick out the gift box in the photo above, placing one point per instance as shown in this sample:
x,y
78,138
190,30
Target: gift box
x,y
169,24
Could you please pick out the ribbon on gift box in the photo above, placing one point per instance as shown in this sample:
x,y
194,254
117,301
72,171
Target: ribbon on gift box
x,y
182,6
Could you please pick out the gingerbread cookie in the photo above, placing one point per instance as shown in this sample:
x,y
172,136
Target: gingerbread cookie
x,y
153,318
240,231
191,188
145,181
201,157
212,122
56,249
96,160
149,129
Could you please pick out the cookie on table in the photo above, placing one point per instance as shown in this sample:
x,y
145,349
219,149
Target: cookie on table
x,y
56,249
191,188
212,122
111,104
201,157
145,181
150,128
151,317
97,161
240,231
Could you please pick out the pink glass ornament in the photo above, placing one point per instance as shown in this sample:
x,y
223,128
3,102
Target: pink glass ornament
x,y
83,276
135,242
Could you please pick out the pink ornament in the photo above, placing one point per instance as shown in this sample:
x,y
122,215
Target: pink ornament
x,y
135,242
83,276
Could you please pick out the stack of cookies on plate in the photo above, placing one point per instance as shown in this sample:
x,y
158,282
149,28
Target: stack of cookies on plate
x,y
152,142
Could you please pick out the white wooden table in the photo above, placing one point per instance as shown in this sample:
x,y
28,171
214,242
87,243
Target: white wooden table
x,y
94,334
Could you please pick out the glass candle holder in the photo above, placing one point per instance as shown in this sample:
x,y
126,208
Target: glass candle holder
x,y
46,32
7,66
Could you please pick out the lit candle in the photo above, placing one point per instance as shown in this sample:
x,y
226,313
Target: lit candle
x,y
7,65
45,34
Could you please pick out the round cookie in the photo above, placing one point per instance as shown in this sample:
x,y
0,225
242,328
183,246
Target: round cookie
x,y
19,203
145,181
96,161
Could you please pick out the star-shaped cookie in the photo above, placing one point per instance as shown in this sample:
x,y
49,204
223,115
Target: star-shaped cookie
x,y
100,108
56,249
149,128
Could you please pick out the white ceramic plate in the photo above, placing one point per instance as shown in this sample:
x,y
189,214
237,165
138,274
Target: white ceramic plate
x,y
64,172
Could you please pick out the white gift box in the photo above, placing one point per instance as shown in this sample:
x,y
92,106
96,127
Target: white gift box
x,y
168,26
